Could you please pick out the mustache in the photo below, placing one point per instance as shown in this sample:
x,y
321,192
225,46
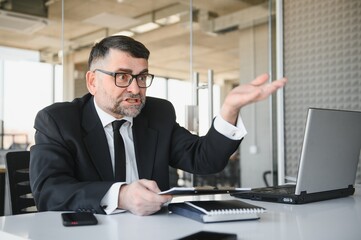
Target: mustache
x,y
130,95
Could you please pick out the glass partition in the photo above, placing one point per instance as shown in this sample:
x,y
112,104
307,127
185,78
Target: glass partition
x,y
232,43
227,41
31,71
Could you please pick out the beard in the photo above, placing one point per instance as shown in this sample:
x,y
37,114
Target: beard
x,y
129,111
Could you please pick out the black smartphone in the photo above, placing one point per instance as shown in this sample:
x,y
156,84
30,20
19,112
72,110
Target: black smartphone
x,y
206,235
78,219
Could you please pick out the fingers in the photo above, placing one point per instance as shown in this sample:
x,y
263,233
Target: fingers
x,y
268,89
262,89
153,187
260,80
150,185
142,198
274,85
280,82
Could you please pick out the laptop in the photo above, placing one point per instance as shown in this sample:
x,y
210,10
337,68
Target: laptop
x,y
328,162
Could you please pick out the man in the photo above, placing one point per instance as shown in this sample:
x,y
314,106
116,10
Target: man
x,y
72,165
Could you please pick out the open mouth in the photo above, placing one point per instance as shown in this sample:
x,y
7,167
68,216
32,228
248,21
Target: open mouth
x,y
133,100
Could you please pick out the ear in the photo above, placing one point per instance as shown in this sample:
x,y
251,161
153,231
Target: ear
x,y
91,82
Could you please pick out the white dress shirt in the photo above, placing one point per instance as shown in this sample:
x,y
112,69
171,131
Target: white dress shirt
x,y
110,199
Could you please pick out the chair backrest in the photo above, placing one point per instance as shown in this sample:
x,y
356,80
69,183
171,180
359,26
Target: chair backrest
x,y
2,191
22,200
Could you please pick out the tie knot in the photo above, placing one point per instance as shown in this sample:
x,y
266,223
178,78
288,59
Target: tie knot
x,y
117,124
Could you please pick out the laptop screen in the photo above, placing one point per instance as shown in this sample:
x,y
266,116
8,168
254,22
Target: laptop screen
x,y
330,151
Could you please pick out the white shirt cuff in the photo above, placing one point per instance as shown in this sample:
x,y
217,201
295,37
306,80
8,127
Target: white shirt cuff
x,y
232,132
110,200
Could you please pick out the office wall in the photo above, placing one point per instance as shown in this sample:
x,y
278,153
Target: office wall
x,y
322,59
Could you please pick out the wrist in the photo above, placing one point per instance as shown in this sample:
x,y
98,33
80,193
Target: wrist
x,y
229,116
122,190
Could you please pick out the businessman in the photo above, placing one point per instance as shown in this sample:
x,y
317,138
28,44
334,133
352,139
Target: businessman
x,y
73,165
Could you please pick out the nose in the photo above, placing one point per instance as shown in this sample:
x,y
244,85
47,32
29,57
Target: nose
x,y
133,87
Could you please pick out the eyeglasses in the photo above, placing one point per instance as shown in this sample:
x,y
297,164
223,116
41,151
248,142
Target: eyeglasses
x,y
124,80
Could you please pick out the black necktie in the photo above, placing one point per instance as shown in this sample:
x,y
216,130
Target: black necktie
x,y
119,151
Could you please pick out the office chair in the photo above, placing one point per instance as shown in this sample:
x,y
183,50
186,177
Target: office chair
x,y
2,191
22,200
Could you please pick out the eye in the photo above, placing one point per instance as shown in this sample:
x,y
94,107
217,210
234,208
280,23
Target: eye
x,y
142,77
123,76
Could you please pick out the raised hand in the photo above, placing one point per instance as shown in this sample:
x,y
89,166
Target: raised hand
x,y
244,94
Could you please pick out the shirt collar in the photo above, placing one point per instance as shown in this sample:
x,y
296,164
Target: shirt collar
x,y
106,118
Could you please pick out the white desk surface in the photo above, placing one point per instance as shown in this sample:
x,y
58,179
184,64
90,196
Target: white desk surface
x,y
331,219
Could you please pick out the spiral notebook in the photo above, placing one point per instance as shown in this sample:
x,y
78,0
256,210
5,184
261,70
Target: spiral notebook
x,y
217,210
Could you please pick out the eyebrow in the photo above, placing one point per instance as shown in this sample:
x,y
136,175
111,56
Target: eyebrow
x,y
126,70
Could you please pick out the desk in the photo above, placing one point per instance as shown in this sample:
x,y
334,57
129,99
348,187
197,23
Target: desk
x,y
332,219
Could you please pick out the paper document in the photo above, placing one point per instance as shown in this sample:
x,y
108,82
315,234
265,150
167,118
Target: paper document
x,y
202,190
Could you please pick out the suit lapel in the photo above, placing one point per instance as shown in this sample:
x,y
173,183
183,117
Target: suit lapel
x,y
96,142
145,140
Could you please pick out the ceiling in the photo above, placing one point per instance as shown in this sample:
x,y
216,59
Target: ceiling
x,y
215,30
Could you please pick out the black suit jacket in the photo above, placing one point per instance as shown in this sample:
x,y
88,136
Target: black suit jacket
x,y
70,165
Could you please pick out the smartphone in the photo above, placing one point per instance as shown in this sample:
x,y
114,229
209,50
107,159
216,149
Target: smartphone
x,y
78,219
206,235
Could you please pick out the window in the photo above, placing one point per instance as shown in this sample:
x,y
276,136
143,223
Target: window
x,y
28,86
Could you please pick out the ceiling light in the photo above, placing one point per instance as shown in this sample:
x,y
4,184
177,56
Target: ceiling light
x,y
145,27
168,20
125,33
112,21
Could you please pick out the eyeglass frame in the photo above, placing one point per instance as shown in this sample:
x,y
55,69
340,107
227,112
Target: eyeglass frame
x,y
114,74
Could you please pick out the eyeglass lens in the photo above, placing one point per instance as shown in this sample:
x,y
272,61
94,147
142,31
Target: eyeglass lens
x,y
123,79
